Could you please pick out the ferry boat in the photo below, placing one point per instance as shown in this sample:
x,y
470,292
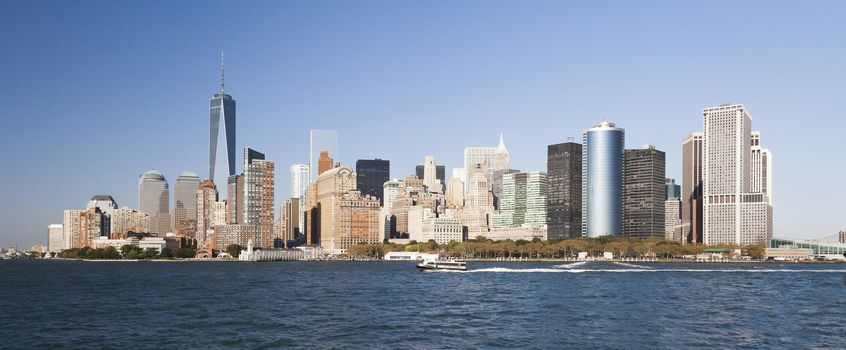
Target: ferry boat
x,y
435,264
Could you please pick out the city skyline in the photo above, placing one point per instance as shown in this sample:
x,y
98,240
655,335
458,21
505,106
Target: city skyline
x,y
531,120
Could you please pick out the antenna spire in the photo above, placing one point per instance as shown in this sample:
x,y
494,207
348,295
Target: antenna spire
x,y
221,72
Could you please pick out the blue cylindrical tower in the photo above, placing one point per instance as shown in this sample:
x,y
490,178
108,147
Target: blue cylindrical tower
x,y
602,180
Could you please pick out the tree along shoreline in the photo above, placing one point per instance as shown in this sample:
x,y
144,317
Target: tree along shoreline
x,y
620,247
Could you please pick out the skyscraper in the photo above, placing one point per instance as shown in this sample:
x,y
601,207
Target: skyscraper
x,y
454,193
523,200
235,199
762,168
55,238
319,141
207,196
430,175
440,172
371,175
564,193
644,192
299,187
496,185
602,180
734,211
221,134
154,199
484,156
324,162
691,191
501,159
672,190
185,204
259,196
103,201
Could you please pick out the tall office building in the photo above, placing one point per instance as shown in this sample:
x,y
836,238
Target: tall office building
x,y
762,168
55,238
299,187
430,175
523,200
440,172
644,192
318,142
390,189
206,196
259,196
235,199
672,220
70,228
602,180
185,204
691,191
501,159
324,162
733,211
371,175
496,185
154,199
459,173
103,201
291,223
564,191
486,157
672,190
454,193
221,134
478,202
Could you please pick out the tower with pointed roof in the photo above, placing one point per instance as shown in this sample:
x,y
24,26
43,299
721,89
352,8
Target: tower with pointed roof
x,y
221,134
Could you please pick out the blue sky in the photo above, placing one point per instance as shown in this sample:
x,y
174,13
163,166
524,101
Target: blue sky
x,y
96,92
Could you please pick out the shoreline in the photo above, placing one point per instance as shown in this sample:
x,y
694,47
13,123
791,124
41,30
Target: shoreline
x,y
475,260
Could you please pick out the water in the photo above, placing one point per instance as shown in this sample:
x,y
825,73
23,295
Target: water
x,y
340,305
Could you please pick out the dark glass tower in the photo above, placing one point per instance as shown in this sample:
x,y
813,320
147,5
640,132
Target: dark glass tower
x,y
644,192
440,172
371,175
221,134
564,191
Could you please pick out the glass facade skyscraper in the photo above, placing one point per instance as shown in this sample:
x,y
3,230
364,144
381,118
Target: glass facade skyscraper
x,y
603,147
564,194
371,175
221,137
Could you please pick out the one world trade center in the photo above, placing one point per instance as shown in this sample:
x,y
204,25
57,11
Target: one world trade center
x,y
221,135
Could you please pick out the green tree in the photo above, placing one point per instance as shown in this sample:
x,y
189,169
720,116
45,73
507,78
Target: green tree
x,y
234,250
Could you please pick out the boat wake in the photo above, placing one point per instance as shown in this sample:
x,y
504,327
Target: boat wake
x,y
642,270
570,266
632,265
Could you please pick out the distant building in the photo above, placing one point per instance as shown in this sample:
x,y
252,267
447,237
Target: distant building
x,y
185,204
644,192
672,220
103,201
454,193
55,238
496,185
357,222
478,202
762,168
842,235
672,190
371,175
564,190
735,211
523,200
125,220
442,230
291,225
440,173
206,196
390,190
324,162
602,180
240,234
299,186
432,178
154,199
235,199
259,193
691,194
70,228
321,141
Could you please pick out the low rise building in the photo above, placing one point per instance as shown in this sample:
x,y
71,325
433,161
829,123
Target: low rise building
x,y
157,243
442,230
788,253
525,232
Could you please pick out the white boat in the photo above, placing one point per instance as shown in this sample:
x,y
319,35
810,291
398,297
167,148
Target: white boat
x,y
434,264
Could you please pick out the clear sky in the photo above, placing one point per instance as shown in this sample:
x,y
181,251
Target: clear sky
x,y
96,92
